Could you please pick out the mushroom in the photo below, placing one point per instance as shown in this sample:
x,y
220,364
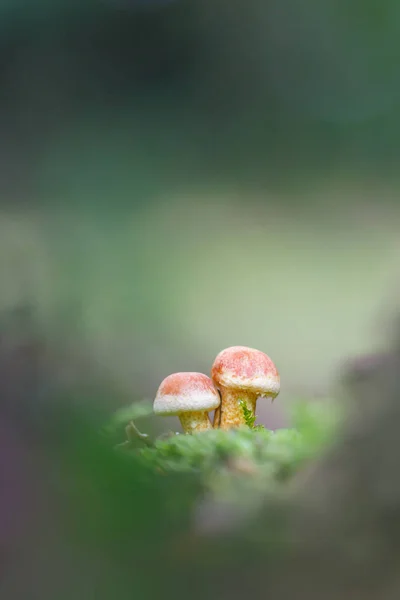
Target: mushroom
x,y
242,374
190,396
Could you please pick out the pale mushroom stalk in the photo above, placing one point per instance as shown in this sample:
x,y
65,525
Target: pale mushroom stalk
x,y
195,421
242,375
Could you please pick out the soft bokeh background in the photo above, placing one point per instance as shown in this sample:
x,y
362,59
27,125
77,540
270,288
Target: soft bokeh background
x,y
177,177
182,176
147,292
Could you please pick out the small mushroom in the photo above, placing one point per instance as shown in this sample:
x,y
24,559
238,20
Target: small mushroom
x,y
242,374
190,396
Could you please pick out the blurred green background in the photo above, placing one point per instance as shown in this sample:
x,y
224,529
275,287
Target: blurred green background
x,y
177,177
190,175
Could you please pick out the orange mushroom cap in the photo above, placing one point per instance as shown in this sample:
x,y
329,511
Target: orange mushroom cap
x,y
186,392
242,368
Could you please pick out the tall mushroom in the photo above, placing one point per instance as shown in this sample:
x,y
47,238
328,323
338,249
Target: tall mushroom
x,y
242,374
190,396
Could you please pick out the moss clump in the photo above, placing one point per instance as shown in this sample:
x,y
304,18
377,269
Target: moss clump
x,y
249,450
235,468
206,450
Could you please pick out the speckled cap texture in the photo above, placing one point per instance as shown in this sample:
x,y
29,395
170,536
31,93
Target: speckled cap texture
x,y
186,392
248,369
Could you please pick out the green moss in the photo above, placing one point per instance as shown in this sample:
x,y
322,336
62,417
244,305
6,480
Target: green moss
x,y
172,476
204,451
250,417
221,455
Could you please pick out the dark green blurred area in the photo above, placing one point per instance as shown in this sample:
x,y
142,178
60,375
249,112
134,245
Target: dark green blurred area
x,y
186,94
176,179
183,178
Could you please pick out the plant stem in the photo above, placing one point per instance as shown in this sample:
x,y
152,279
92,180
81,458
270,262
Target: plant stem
x,y
132,432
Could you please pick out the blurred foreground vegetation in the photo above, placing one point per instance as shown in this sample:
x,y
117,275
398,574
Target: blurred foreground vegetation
x,y
176,179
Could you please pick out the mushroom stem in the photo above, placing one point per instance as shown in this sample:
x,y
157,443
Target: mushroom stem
x,y
231,410
195,421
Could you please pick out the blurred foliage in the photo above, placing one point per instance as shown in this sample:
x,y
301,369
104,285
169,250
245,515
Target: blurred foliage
x,y
151,491
141,507
219,458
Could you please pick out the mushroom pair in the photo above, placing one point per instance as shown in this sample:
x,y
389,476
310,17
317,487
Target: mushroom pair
x,y
241,374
